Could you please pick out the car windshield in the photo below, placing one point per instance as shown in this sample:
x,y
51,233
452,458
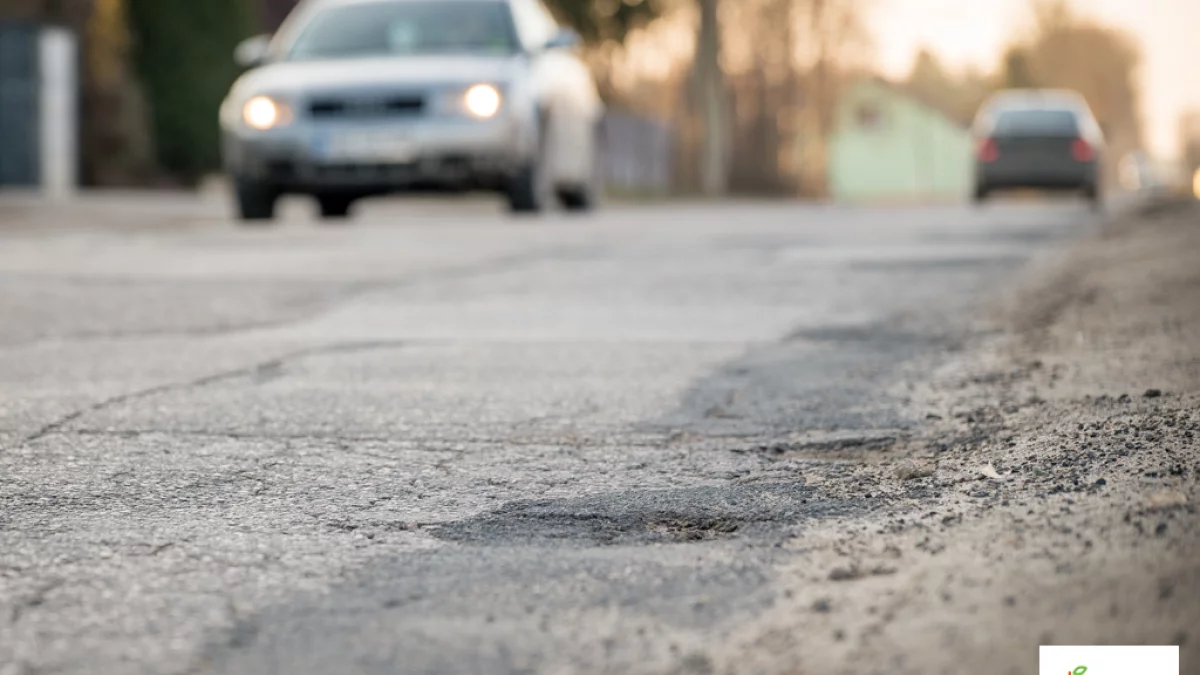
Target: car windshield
x,y
407,28
1042,122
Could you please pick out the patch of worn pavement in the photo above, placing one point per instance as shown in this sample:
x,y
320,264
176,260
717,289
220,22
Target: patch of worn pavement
x,y
588,450
646,517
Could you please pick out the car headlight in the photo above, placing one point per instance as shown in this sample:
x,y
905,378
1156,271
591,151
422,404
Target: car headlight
x,y
482,101
263,113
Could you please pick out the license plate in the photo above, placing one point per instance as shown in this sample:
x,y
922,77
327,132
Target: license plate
x,y
367,146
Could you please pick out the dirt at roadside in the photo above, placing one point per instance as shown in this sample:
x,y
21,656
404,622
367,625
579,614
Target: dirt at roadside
x,y
1053,499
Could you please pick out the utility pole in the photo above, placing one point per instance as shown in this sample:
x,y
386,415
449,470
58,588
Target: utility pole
x,y
710,82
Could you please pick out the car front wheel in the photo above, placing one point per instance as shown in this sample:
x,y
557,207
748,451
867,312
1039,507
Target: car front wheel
x,y
528,190
335,207
255,200
524,190
587,196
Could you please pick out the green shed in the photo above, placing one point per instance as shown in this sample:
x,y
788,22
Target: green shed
x,y
888,146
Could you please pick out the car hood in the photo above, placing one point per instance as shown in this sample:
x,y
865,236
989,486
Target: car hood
x,y
290,78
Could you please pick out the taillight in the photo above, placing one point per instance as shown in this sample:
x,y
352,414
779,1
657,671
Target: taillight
x,y
1081,150
988,152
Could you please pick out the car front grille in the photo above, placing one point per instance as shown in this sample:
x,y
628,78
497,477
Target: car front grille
x,y
361,171
367,108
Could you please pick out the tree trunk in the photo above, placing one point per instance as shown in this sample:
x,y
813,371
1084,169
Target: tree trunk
x,y
714,173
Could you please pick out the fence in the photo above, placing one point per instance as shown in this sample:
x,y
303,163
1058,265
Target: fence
x,y
638,154
38,107
19,104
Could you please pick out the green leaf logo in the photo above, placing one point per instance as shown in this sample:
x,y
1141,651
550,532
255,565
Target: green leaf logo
x,y
1079,671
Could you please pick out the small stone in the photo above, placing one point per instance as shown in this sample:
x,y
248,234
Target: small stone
x,y
697,663
1100,482
1010,601
1167,499
1161,530
845,574
914,472
823,606
839,635
1152,393
989,471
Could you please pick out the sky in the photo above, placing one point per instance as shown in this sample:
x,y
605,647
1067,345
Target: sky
x,y
974,32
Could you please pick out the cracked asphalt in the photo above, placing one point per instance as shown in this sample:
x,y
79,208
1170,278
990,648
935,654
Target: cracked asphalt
x,y
439,440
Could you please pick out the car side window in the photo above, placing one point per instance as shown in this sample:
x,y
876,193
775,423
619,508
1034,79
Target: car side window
x,y
534,22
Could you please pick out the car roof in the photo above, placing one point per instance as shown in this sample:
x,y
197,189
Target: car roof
x,y
1036,99
305,9
336,3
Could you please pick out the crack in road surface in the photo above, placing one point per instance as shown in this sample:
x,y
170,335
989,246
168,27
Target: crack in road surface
x,y
259,373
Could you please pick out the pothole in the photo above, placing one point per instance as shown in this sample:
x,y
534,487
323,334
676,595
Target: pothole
x,y
684,529
650,516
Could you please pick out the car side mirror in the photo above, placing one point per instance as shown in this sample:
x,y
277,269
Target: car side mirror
x,y
564,39
253,52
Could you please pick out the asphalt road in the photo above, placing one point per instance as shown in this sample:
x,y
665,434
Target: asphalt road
x,y
438,440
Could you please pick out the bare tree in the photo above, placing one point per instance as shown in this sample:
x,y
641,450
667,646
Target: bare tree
x,y
1189,139
1070,51
955,94
833,41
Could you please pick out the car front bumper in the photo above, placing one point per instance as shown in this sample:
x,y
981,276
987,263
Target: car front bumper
x,y
437,154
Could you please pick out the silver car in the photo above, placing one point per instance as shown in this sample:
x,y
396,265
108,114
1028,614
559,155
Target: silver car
x,y
354,98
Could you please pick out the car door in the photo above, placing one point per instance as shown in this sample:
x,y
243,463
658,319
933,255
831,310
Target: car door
x,y
565,90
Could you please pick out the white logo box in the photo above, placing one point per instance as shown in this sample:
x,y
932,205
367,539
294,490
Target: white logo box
x,y
1109,660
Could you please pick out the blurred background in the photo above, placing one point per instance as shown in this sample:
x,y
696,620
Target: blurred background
x,y
848,100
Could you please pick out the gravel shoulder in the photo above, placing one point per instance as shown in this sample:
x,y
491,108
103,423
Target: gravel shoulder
x,y
1051,499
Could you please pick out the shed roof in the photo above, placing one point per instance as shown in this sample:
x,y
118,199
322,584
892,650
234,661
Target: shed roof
x,y
952,116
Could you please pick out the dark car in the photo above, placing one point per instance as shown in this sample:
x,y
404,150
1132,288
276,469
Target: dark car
x,y
1038,140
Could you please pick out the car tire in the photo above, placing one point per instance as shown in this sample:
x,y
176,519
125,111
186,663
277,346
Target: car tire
x,y
335,207
524,192
586,197
577,200
528,190
255,201
980,195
